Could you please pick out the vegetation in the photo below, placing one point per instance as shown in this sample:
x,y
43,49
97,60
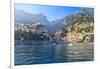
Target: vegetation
x,y
81,23
78,27
30,36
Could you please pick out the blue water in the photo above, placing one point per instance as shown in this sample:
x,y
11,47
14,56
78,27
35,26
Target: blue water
x,y
49,53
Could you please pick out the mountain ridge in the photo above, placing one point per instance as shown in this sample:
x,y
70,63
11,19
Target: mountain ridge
x,y
25,17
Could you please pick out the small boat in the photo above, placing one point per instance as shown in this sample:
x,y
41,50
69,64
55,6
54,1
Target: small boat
x,y
54,41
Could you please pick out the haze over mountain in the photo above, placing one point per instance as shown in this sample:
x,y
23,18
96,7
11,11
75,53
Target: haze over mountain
x,y
60,23
53,26
25,17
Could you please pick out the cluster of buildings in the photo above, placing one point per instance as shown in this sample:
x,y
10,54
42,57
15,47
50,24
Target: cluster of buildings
x,y
79,37
33,27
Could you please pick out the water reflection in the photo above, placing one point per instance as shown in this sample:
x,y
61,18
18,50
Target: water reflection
x,y
40,54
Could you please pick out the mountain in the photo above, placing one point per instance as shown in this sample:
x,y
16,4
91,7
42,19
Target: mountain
x,y
78,27
60,23
56,25
25,17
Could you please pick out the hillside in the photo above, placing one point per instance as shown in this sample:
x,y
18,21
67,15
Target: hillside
x,y
80,29
35,32
77,27
23,17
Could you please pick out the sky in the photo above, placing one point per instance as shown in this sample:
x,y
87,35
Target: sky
x,y
51,12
